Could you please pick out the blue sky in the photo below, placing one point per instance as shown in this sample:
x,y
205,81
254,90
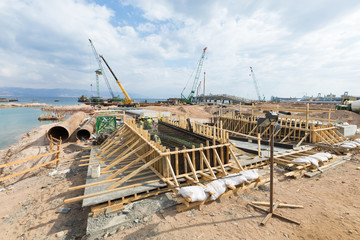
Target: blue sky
x,y
294,47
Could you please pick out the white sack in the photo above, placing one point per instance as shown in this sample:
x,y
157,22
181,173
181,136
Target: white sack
x,y
251,174
314,161
320,157
196,193
234,179
216,188
303,160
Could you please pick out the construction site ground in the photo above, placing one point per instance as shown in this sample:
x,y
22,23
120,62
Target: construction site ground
x,y
29,203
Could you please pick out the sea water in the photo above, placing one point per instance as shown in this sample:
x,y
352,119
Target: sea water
x,y
15,122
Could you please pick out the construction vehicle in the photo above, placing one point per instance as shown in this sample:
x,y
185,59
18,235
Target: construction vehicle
x,y
349,103
252,74
189,98
127,101
353,106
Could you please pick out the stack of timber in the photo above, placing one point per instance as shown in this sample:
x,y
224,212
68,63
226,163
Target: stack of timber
x,y
297,169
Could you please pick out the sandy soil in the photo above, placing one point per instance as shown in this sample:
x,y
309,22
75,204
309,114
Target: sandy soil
x,y
201,112
331,202
331,211
12,105
70,109
192,111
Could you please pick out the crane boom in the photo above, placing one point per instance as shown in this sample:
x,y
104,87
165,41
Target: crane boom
x,y
256,85
101,68
127,97
196,79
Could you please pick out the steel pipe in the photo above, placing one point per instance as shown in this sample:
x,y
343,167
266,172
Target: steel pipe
x,y
64,129
86,130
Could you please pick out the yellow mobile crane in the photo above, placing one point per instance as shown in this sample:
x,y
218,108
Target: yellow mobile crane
x,y
127,102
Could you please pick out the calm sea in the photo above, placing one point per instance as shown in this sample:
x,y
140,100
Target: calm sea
x,y
15,122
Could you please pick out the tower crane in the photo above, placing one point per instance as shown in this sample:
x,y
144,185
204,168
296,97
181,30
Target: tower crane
x,y
189,99
256,86
101,69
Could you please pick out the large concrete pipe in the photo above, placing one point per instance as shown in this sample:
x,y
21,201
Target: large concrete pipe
x,y
64,129
86,130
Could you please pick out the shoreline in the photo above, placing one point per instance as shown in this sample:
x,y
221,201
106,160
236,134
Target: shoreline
x,y
19,105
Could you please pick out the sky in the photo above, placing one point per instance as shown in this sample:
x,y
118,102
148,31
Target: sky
x,y
295,48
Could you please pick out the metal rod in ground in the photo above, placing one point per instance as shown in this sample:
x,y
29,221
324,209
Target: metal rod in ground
x,y
271,168
274,214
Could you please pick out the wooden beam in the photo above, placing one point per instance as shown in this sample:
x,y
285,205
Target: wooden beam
x,y
27,170
121,157
135,172
220,163
192,167
130,164
172,171
202,155
28,159
236,160
70,200
290,132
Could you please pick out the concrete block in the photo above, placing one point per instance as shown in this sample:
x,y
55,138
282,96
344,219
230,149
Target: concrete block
x,y
347,130
95,171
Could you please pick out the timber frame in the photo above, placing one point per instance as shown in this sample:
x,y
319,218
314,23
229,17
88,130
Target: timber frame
x,y
129,159
293,128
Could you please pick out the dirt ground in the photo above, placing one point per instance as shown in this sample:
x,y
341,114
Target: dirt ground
x,y
331,202
331,211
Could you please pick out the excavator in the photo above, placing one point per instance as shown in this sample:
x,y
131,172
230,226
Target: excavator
x,y
127,102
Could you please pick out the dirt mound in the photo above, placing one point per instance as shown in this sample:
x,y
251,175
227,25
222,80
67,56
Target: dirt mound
x,y
31,144
182,109
70,109
342,115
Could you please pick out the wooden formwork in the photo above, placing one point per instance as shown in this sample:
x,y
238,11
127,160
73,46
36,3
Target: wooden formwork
x,y
293,129
129,159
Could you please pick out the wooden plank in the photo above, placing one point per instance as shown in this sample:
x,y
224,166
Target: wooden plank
x,y
127,177
75,199
123,156
28,159
290,132
192,167
27,170
172,171
202,155
130,164
236,160
219,161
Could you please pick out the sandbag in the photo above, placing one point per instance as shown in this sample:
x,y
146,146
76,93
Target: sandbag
x,y
320,157
196,193
215,188
251,174
303,160
348,145
234,179
314,161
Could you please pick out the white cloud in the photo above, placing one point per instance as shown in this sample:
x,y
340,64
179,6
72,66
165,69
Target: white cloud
x,y
44,44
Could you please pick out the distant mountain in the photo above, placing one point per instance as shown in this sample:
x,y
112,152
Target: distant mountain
x,y
54,92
